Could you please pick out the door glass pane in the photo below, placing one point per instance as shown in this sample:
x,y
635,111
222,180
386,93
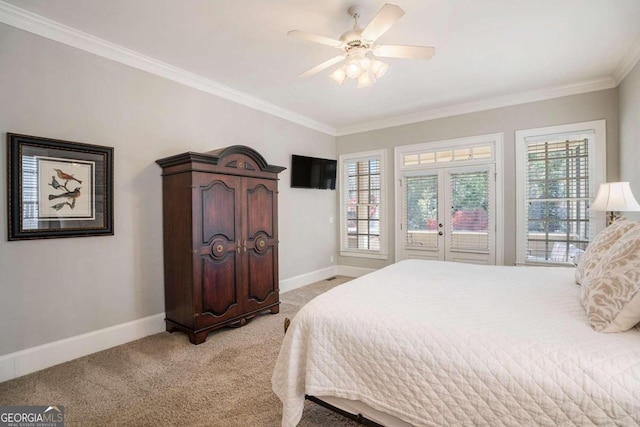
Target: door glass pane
x,y
482,152
427,158
469,225
445,156
462,154
410,159
421,212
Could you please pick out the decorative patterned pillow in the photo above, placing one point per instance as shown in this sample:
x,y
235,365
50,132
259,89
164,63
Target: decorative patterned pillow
x,y
590,259
612,295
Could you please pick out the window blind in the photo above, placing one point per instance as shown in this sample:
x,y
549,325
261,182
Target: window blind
x,y
30,211
469,225
557,198
420,211
363,197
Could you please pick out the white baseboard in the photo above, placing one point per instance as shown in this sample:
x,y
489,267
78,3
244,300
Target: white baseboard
x,y
315,276
347,270
33,359
307,278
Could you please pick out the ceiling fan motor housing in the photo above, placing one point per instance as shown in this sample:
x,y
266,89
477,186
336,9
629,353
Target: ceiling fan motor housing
x,y
353,37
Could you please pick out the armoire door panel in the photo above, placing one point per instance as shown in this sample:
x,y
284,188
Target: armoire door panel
x,y
218,286
261,280
218,208
259,207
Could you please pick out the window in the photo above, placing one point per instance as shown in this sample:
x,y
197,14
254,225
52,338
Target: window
x,y
456,155
558,170
30,192
362,205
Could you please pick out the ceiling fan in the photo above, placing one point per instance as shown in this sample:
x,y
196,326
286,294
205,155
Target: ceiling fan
x,y
358,45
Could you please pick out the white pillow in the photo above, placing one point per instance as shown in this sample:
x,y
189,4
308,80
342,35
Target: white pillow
x,y
589,260
611,296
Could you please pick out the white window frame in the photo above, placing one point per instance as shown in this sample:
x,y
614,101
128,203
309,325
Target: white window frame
x,y
597,175
356,157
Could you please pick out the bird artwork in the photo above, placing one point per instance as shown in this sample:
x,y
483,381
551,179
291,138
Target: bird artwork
x,y
61,183
55,184
69,194
65,176
63,204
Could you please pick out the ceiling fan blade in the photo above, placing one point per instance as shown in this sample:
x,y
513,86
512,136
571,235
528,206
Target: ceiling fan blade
x,y
384,19
325,64
315,38
409,52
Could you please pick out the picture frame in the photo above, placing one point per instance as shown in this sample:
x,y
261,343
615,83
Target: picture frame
x,y
58,188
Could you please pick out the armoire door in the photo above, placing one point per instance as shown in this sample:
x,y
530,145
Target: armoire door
x,y
217,237
260,245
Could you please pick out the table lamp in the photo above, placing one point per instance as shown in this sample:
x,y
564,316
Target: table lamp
x,y
614,197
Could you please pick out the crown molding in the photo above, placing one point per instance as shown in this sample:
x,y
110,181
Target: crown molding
x,y
44,27
629,61
475,106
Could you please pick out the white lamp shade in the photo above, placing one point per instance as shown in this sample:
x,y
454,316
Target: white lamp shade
x,y
353,69
615,197
339,75
365,63
379,68
366,79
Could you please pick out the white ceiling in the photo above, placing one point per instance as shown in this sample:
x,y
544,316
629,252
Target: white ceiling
x,y
488,52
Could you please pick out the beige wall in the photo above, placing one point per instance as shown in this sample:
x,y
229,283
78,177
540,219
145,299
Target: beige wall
x,y
570,109
58,288
54,289
630,133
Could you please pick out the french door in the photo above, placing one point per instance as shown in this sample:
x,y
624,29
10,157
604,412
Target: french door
x,y
449,214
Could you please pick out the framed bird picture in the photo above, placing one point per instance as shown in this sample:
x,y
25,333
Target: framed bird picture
x,y
58,188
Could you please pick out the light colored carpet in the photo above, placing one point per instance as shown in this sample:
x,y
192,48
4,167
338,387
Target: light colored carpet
x,y
163,380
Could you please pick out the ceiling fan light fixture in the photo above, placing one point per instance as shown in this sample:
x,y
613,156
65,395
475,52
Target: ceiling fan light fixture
x,y
379,68
366,79
353,69
358,44
339,75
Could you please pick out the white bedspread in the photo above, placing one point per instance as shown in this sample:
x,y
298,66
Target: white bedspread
x,y
440,344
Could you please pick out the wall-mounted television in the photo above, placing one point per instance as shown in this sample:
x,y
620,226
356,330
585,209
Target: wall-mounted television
x,y
312,172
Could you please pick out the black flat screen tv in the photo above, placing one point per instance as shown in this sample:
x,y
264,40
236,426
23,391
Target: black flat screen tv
x,y
312,172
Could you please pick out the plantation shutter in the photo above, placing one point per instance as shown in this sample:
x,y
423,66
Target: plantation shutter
x,y
420,212
469,225
557,199
362,202
30,211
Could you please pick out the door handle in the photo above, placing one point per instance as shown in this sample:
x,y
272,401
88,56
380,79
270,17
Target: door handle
x,y
238,247
245,245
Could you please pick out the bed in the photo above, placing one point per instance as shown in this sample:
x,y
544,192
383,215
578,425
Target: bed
x,y
431,343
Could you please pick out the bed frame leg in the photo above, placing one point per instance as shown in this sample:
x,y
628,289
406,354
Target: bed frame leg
x,y
357,418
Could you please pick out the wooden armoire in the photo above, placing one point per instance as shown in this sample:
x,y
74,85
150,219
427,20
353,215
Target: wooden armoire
x,y
220,235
